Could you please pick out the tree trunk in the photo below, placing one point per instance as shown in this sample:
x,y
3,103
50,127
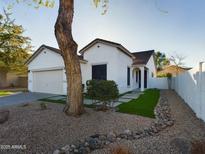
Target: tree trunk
x,y
68,47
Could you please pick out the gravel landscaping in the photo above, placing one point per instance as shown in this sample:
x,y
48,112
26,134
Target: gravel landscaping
x,y
186,136
44,131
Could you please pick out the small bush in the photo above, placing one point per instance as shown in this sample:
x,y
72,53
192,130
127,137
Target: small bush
x,y
169,75
25,105
102,90
161,75
166,75
43,106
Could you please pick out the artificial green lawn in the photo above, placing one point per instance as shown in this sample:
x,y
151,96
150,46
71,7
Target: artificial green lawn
x,y
144,105
53,101
5,93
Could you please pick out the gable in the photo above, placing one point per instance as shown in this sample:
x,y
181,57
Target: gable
x,y
151,64
103,53
55,50
46,58
106,42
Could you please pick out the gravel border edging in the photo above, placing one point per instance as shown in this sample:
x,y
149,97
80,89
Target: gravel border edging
x,y
98,141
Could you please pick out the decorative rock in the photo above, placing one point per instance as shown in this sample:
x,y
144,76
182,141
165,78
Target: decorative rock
x,y
137,136
86,144
170,123
130,137
163,120
123,136
75,150
107,142
71,149
56,152
95,136
4,116
93,143
83,150
138,132
73,146
118,138
128,132
183,145
111,137
102,137
66,148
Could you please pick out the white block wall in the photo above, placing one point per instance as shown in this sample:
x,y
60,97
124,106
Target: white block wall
x,y
159,83
191,87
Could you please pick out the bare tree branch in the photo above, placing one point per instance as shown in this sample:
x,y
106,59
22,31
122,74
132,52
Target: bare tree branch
x,y
178,61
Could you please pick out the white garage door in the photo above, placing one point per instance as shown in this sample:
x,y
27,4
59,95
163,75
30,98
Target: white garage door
x,y
48,82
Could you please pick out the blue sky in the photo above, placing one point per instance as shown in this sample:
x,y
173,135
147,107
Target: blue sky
x,y
136,24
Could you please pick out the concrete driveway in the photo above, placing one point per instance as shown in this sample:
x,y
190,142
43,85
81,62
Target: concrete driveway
x,y
21,98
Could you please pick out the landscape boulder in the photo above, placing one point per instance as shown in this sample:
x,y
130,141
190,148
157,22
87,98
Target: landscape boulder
x,y
4,116
198,147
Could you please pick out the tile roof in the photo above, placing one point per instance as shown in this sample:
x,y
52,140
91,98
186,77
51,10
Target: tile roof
x,y
173,69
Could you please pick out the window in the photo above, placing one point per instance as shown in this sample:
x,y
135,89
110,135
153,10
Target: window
x,y
128,76
99,72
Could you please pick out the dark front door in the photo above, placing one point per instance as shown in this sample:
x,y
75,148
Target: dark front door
x,y
99,72
145,78
139,79
128,76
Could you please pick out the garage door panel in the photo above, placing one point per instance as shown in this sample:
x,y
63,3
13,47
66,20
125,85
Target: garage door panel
x,y
48,81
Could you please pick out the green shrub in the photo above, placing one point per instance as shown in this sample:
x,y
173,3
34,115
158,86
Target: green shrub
x,y
166,75
162,75
169,75
43,106
102,90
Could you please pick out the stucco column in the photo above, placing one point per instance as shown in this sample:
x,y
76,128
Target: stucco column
x,y
142,78
30,81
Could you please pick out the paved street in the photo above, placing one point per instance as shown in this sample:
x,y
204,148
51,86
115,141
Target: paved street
x,y
20,98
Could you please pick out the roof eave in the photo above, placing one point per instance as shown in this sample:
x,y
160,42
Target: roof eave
x,y
35,54
126,52
138,65
83,61
113,44
42,47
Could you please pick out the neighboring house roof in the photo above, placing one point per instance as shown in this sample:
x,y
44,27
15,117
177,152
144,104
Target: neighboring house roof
x,y
142,57
173,69
114,44
38,51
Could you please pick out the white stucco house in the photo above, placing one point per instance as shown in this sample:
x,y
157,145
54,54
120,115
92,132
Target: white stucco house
x,y
100,59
